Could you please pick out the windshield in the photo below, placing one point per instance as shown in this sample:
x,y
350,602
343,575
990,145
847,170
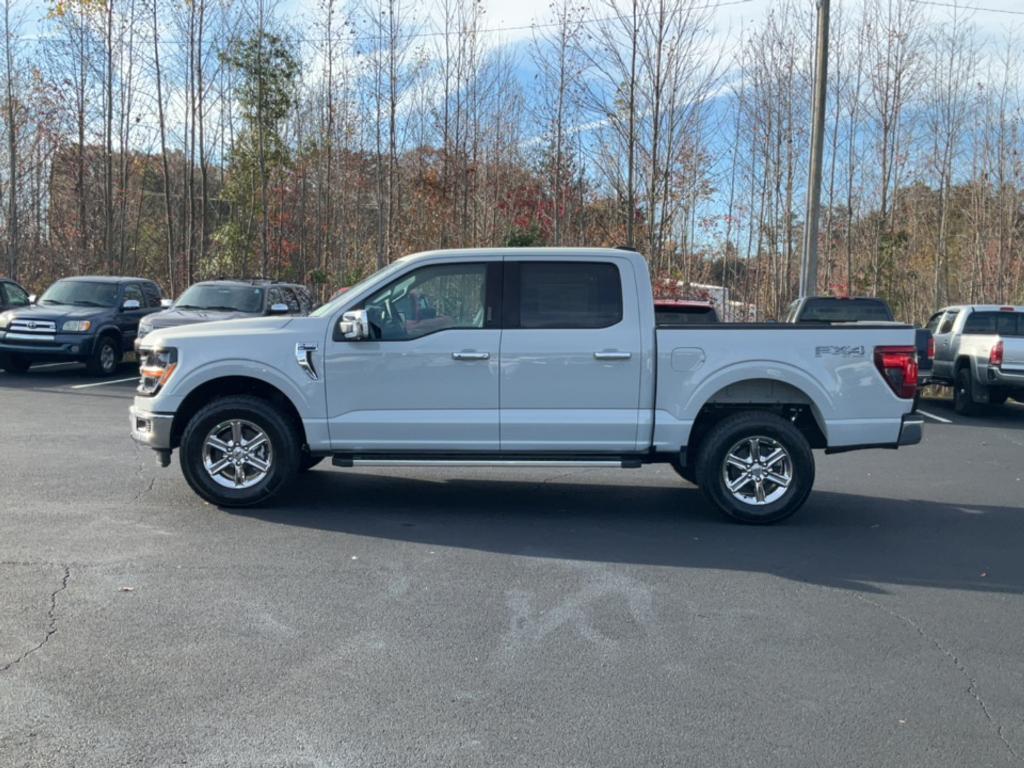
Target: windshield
x,y
845,311
224,298
80,293
333,304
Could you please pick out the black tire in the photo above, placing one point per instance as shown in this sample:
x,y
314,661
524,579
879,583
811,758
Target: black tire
x,y
15,363
997,396
307,462
105,357
726,436
285,449
963,393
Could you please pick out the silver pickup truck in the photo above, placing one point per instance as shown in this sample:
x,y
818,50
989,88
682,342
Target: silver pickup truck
x,y
524,356
979,351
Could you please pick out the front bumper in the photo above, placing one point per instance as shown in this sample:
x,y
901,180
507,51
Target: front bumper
x,y
151,429
911,430
60,346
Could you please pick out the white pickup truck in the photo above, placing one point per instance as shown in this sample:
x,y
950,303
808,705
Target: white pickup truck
x,y
521,357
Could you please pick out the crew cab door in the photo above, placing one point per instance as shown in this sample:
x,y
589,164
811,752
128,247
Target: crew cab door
x,y
571,356
427,379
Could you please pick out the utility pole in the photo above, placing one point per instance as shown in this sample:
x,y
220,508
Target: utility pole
x,y
809,264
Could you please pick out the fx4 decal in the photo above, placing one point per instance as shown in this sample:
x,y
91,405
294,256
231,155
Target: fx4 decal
x,y
840,351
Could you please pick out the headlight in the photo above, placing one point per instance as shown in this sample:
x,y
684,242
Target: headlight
x,y
5,320
143,330
76,326
155,368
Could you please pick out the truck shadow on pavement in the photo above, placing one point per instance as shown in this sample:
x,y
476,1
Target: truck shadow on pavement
x,y
837,540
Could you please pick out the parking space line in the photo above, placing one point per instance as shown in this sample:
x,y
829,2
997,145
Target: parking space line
x,y
939,419
103,383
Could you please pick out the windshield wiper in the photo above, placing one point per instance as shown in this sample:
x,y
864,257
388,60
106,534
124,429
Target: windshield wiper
x,y
224,309
87,304
185,306
52,301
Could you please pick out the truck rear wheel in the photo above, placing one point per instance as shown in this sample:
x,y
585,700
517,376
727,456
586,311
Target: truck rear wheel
x,y
756,467
238,451
963,393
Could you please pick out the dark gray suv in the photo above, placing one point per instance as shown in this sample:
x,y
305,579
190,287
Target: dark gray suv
x,y
213,300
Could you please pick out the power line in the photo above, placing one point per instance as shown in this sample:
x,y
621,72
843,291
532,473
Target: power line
x,y
968,7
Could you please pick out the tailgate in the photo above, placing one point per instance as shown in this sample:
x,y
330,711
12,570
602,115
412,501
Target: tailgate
x,y
1013,354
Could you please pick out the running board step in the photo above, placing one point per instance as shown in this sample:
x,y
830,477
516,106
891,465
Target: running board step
x,y
342,460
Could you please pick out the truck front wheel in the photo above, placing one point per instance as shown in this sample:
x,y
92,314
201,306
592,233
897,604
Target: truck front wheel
x,y
756,467
105,357
15,363
238,451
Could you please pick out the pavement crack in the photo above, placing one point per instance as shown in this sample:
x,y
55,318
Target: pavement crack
x,y
51,627
143,491
972,684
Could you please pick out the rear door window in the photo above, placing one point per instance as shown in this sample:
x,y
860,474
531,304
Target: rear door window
x,y
567,294
152,293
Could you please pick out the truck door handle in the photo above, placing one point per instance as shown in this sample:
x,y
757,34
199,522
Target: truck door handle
x,y
471,355
612,355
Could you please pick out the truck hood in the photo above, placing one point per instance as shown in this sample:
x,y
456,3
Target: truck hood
x,y
57,312
247,327
172,318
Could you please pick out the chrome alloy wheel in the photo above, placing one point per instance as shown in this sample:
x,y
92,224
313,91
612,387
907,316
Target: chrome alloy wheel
x,y
237,454
757,470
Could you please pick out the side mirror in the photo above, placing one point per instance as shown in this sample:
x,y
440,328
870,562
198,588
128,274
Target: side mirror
x,y
279,309
354,325
165,303
130,304
32,298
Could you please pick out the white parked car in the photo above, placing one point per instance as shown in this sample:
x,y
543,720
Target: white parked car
x,y
528,356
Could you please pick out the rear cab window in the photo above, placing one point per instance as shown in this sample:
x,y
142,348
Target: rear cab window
x,y
993,323
669,316
836,310
562,295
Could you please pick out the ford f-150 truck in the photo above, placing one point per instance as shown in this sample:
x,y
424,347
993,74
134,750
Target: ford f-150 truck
x,y
524,356
979,351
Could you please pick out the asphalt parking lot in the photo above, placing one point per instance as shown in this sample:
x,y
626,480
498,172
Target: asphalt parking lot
x,y
503,618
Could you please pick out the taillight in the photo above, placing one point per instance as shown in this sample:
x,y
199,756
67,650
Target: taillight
x,y
931,348
995,357
898,366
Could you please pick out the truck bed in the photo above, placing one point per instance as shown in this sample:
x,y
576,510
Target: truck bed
x,y
829,370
